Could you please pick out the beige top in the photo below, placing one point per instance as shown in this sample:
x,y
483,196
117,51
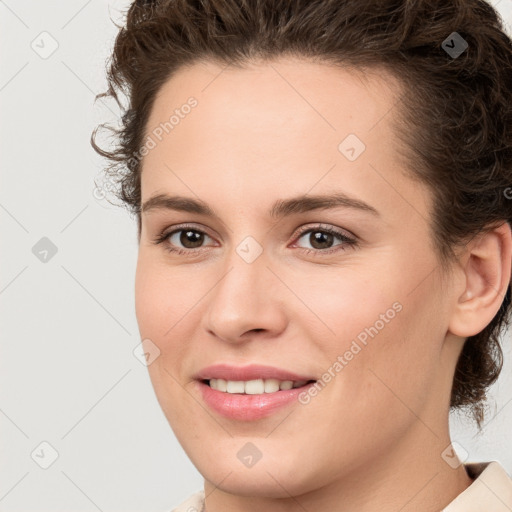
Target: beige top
x,y
491,491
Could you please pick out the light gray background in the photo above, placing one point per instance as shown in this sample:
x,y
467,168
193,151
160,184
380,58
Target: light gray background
x,y
68,374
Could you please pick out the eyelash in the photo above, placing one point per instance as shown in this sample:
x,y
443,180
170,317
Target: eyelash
x,y
351,242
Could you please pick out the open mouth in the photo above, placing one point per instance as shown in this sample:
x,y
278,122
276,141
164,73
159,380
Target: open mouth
x,y
255,387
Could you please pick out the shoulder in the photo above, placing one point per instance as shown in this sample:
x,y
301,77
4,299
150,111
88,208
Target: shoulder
x,y
491,490
194,503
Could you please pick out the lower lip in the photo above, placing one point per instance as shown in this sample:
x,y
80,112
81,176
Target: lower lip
x,y
249,407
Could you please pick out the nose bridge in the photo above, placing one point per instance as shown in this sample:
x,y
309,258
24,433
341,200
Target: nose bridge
x,y
245,277
244,297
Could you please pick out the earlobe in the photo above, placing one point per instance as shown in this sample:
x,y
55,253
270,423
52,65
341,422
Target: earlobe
x,y
486,273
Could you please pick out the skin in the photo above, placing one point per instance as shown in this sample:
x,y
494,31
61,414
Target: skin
x,y
373,438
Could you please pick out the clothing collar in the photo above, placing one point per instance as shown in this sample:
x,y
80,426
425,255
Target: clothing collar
x,y
491,489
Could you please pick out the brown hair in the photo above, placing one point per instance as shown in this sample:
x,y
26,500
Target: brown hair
x,y
454,114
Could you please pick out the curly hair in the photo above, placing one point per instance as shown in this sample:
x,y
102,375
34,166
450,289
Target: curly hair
x,y
453,115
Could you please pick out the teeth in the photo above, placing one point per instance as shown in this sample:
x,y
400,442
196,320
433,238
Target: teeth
x,y
235,386
286,384
254,387
271,385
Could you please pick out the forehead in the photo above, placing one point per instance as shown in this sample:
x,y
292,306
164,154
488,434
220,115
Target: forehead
x,y
286,89
279,125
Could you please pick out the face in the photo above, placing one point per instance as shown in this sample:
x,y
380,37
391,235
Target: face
x,y
347,295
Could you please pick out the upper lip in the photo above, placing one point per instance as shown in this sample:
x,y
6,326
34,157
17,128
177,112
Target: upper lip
x,y
249,372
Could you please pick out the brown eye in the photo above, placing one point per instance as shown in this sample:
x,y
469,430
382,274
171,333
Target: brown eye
x,y
322,240
189,238
183,240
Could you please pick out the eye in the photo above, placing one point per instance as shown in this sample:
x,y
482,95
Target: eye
x,y
188,240
321,239
188,237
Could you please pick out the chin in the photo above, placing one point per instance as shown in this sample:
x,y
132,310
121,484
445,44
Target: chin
x,y
255,483
273,476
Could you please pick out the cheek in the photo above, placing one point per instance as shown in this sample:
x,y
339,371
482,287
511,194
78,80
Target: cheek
x,y
396,368
384,339
146,296
158,308
162,298
348,304
161,306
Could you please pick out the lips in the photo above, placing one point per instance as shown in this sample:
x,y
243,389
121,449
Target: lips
x,y
249,372
247,407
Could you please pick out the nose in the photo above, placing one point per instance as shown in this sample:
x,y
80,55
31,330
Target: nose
x,y
247,301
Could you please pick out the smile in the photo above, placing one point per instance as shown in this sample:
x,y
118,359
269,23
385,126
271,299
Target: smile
x,y
254,387
237,402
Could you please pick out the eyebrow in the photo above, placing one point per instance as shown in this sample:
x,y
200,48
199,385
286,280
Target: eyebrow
x,y
281,208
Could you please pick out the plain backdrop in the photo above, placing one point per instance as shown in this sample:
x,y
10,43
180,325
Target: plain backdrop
x,y
81,428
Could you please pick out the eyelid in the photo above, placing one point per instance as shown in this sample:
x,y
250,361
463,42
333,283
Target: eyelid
x,y
324,227
184,226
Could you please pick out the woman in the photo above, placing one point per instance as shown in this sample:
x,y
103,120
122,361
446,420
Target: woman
x,y
323,205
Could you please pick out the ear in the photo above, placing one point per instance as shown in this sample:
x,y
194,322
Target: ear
x,y
486,265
